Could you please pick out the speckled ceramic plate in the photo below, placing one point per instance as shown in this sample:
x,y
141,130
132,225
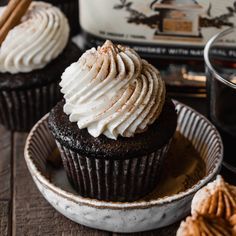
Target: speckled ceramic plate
x,y
159,209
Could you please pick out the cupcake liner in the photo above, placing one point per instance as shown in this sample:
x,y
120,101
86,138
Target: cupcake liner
x,y
113,180
20,109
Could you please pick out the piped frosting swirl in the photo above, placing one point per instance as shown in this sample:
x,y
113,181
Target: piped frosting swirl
x,y
217,198
213,211
112,91
40,37
202,225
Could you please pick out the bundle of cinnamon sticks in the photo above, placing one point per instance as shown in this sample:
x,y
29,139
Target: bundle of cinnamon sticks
x,y
12,16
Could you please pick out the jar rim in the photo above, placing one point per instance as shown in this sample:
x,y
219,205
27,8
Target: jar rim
x,y
207,60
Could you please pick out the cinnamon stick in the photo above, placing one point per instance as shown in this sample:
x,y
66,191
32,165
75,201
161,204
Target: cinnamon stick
x,y
12,16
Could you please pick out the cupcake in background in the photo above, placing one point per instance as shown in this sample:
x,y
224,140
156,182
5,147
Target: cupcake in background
x,y
217,198
33,55
213,211
114,126
69,7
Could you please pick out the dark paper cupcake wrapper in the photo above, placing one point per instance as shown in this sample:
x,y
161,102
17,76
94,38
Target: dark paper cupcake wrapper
x,y
20,109
113,180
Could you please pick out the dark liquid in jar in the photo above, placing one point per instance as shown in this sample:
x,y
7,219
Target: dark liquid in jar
x,y
222,107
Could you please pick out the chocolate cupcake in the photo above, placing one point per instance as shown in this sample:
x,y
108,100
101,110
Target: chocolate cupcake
x,y
114,126
32,58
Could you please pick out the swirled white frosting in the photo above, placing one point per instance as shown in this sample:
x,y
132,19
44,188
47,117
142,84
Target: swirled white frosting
x,y
217,198
39,38
112,91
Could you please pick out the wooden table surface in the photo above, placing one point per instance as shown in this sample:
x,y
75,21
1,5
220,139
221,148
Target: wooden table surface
x,y
23,210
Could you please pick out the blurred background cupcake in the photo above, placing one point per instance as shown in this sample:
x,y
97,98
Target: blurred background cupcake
x,y
69,7
114,127
213,211
33,55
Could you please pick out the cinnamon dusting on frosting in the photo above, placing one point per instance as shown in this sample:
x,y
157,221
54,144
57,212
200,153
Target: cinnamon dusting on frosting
x,y
40,37
218,198
204,225
213,211
112,91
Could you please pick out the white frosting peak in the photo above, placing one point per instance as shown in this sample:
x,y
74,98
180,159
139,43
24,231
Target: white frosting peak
x,y
112,91
40,37
217,198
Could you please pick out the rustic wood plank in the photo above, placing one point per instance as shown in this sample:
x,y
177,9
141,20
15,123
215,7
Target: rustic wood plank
x,y
5,163
4,218
166,231
32,215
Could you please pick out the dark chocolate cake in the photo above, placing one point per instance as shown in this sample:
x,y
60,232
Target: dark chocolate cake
x,y
125,169
80,141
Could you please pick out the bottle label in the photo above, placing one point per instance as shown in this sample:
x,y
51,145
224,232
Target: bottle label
x,y
158,27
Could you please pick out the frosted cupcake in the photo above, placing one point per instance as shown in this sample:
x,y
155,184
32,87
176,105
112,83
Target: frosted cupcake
x,y
32,57
213,211
114,126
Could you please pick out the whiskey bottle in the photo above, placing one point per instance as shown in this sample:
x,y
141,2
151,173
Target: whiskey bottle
x,y
171,34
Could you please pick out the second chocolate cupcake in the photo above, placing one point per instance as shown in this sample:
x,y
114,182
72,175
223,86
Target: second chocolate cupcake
x,y
33,56
114,127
